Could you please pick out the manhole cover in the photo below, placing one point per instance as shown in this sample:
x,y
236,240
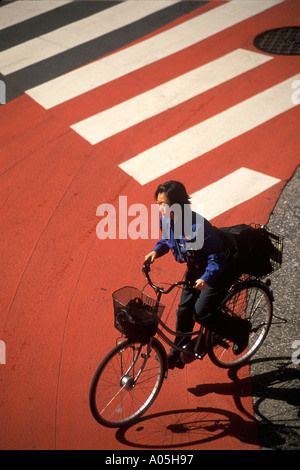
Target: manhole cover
x,y
282,41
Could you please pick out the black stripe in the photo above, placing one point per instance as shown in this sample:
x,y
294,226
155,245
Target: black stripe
x,y
39,73
49,21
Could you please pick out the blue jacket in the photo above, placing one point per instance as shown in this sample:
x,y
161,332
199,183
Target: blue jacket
x,y
210,258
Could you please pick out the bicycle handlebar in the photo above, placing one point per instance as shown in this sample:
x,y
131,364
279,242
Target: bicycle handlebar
x,y
146,270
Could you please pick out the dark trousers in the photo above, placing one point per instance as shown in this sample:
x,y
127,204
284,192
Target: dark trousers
x,y
202,306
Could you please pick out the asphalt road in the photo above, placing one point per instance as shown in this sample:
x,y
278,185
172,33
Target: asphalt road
x,y
275,368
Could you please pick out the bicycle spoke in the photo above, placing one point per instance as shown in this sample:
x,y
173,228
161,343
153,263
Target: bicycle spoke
x,y
126,384
113,398
249,301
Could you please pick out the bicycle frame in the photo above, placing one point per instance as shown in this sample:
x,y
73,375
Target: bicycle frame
x,y
159,292
121,394
126,381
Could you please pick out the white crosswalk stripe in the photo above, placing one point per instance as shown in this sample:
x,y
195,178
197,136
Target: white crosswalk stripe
x,y
183,147
77,33
22,10
210,134
179,37
157,100
230,191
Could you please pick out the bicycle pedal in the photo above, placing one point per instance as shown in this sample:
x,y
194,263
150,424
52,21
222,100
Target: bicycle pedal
x,y
223,343
200,355
187,359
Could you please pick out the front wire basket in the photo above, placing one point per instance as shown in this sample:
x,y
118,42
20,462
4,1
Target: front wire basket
x,y
123,296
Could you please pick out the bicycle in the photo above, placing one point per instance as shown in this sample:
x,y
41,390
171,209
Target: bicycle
x,y
130,377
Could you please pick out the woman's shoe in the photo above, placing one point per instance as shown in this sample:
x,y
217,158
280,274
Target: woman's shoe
x,y
174,362
241,344
199,353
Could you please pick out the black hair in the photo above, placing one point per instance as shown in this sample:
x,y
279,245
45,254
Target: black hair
x,y
175,192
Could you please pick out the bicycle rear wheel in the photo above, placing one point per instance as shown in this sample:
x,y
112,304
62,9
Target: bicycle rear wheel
x,y
127,382
251,300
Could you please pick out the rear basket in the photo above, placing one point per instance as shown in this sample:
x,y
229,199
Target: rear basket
x,y
276,255
277,242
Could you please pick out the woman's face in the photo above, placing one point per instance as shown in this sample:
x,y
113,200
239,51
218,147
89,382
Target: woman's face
x,y
163,204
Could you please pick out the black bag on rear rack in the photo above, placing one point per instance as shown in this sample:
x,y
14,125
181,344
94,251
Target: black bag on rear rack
x,y
251,247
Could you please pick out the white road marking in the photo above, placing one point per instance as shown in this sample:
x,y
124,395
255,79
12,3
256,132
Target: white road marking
x,y
107,123
143,53
209,134
230,191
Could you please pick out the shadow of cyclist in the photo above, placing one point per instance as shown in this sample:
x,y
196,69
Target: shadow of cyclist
x,y
276,399
187,428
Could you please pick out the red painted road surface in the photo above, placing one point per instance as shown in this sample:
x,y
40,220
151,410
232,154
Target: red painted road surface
x,y
57,276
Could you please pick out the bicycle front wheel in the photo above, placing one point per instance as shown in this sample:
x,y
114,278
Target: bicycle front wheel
x,y
250,300
127,382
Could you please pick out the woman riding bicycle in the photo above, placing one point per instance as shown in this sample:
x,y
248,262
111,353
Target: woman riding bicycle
x,y
211,269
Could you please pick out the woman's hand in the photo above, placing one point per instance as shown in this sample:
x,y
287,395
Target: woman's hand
x,y
200,284
151,256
